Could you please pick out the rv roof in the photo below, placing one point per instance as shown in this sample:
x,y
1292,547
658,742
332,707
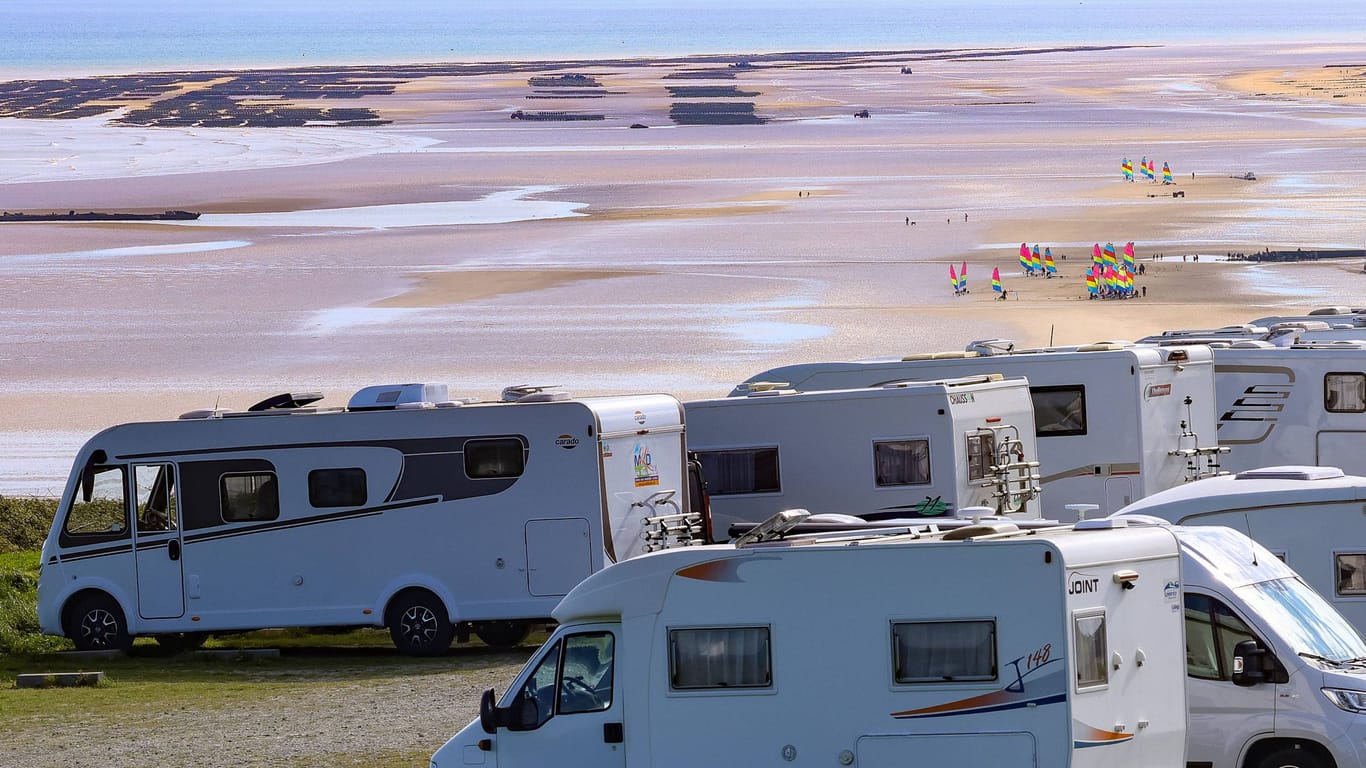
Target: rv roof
x,y
1252,489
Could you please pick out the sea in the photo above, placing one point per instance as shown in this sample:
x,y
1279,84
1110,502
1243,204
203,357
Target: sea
x,y
43,38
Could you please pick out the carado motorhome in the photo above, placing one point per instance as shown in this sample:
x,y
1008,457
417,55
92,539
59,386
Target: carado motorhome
x,y
820,650
1302,404
909,449
404,510
1115,422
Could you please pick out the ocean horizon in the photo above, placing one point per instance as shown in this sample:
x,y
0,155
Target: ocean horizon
x,y
93,37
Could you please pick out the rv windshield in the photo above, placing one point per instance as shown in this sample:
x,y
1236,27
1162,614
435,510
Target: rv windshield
x,y
1304,619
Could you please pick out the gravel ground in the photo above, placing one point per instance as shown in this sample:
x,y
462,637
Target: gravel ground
x,y
321,721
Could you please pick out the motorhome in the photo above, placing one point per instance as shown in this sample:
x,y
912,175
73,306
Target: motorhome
x,y
1281,334
1335,316
1115,421
405,509
907,449
1065,650
1308,517
1302,404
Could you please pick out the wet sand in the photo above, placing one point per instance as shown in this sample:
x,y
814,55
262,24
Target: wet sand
x,y
695,255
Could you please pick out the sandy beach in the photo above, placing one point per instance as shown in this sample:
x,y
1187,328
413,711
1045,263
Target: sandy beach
x,y
439,240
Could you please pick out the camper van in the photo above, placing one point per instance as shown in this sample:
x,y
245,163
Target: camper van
x,y
908,449
1115,422
434,518
1058,648
1302,404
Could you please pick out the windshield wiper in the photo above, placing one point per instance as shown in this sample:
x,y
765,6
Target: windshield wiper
x,y
1324,659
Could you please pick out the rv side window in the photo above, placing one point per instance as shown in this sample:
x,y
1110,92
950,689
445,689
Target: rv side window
x,y
99,509
748,470
1351,570
336,487
1212,631
1088,636
249,497
730,657
489,459
1344,392
1059,411
944,651
981,455
901,462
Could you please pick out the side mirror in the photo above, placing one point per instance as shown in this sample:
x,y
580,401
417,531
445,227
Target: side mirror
x,y
1251,662
490,716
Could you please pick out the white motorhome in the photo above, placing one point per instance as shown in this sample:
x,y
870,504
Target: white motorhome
x,y
404,510
1115,421
909,449
1302,404
1335,316
1058,648
1309,517
1275,678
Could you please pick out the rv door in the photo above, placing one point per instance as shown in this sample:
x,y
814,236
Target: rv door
x,y
567,710
157,541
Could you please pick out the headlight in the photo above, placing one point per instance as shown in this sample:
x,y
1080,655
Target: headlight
x,y
1347,700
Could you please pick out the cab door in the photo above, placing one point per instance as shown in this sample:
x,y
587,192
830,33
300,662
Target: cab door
x,y
157,542
1223,716
569,712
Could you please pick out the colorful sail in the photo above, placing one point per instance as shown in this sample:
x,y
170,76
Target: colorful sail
x,y
953,279
1127,168
1152,170
1048,265
963,278
1035,261
1096,258
1110,260
1024,256
1166,173
1091,280
996,280
1129,256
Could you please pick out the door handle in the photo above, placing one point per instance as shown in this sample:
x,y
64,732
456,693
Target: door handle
x,y
173,549
612,733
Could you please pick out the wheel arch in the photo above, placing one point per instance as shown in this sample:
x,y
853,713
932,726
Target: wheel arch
x,y
94,591
398,595
1260,749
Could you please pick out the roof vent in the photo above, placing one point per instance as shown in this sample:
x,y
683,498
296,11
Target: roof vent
x,y
986,528
205,413
1104,346
287,400
389,396
1252,344
1290,473
1330,311
517,393
991,346
1101,524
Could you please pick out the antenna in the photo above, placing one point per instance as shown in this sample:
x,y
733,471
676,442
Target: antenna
x,y
1050,335
1248,525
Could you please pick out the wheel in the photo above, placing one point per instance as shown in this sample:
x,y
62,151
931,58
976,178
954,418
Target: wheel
x,y
502,634
1290,757
419,626
96,623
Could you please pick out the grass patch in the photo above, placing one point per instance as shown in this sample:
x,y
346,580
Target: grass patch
x,y
24,523
19,607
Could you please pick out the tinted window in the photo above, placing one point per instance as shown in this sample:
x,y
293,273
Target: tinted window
x,y
249,497
729,657
901,462
1344,392
944,651
1351,573
1212,632
1059,411
336,487
503,457
746,470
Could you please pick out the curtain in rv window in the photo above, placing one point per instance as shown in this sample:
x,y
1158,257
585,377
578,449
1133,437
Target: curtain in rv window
x,y
981,455
1351,571
744,470
1093,663
250,497
944,651
336,487
1344,392
901,462
1059,411
722,657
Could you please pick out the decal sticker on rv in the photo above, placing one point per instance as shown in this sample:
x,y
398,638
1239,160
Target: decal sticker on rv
x,y
1158,390
646,471
958,398
1253,414
1034,687
1090,736
567,442
1171,592
639,417
1079,583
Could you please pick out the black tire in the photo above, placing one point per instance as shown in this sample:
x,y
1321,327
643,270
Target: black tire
x,y
96,623
419,626
1291,757
502,634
